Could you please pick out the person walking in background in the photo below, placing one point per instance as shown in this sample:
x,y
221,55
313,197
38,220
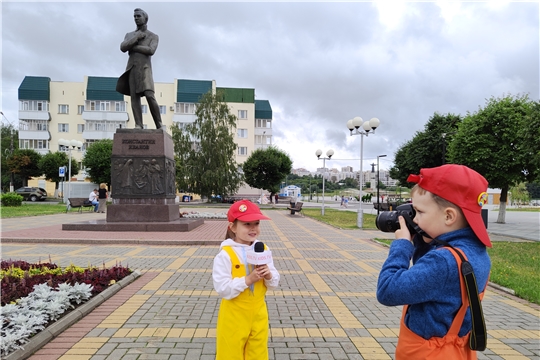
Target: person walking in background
x,y
102,197
93,198
242,324
276,198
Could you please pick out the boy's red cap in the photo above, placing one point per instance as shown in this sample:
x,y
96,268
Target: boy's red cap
x,y
245,210
461,186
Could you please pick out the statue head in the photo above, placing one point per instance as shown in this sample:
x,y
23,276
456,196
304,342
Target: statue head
x,y
141,17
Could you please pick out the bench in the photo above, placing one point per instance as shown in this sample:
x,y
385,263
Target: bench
x,y
297,208
79,203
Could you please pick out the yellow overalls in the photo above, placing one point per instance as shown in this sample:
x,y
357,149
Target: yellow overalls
x,y
242,325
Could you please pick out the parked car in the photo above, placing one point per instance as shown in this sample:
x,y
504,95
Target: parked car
x,y
32,193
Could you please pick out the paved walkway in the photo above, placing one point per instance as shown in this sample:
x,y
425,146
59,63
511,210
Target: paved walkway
x,y
325,307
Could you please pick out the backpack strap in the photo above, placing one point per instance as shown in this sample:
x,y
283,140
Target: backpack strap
x,y
478,338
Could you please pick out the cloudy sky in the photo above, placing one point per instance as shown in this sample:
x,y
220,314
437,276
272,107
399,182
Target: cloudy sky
x,y
318,63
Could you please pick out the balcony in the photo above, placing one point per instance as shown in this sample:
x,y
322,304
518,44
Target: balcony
x,y
105,115
34,135
34,115
184,118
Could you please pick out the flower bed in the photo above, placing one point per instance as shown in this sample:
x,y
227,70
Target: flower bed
x,y
19,277
36,295
203,215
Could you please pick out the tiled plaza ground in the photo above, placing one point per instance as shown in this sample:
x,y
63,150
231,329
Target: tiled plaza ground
x,y
325,307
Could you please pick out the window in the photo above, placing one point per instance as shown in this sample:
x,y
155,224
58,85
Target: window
x,y
263,123
242,150
263,139
162,109
41,126
80,109
80,128
63,127
242,114
120,106
242,133
63,109
33,105
34,144
185,108
144,109
97,105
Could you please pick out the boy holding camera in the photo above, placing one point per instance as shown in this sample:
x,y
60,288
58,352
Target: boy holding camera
x,y
436,321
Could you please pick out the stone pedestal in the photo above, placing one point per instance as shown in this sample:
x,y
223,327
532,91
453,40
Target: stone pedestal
x,y
143,177
143,186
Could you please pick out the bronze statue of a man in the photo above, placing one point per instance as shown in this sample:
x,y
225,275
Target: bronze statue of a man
x,y
137,80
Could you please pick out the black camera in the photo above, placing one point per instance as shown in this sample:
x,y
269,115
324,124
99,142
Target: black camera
x,y
388,221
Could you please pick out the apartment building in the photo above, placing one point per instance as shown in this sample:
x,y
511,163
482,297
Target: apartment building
x,y
92,110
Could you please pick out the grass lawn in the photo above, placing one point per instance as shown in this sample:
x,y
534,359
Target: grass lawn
x,y
32,210
527,209
340,219
514,265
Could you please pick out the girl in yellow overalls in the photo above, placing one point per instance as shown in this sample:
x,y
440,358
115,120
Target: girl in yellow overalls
x,y
242,325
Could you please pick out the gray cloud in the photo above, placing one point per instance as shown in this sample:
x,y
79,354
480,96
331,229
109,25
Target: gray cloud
x,y
319,64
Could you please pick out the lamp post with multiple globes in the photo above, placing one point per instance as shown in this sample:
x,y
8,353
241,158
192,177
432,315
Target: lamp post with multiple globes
x,y
357,126
329,154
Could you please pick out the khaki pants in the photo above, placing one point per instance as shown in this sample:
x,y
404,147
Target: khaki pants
x,y
102,203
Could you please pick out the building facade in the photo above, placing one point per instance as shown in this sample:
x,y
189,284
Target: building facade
x,y
92,110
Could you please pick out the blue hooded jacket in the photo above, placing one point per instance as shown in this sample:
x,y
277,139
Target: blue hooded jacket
x,y
431,285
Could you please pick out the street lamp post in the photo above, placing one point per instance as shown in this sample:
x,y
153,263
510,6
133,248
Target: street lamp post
x,y
70,144
329,153
378,180
361,127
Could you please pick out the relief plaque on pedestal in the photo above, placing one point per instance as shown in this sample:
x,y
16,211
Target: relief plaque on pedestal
x,y
143,177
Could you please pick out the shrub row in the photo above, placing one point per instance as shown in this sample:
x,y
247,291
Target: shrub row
x,y
11,199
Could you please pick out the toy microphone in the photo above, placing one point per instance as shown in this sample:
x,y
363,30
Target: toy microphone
x,y
259,256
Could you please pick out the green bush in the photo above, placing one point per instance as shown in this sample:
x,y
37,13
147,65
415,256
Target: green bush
x,y
11,199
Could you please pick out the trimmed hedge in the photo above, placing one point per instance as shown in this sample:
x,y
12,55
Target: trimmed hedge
x,y
11,199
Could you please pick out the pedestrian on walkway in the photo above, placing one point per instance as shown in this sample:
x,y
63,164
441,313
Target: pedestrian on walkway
x,y
93,198
242,325
436,323
102,197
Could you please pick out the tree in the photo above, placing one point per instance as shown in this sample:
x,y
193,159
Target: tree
x,y
98,161
426,149
205,150
529,134
50,164
533,189
266,168
25,163
519,194
489,142
9,143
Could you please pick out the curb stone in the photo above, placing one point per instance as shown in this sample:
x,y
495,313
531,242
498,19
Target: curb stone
x,y
53,330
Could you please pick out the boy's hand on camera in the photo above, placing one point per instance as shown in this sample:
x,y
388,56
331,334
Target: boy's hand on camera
x,y
403,231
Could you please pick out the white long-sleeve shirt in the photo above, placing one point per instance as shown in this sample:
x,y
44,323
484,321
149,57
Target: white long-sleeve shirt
x,y
227,287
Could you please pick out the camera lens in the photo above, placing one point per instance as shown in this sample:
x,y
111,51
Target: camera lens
x,y
387,221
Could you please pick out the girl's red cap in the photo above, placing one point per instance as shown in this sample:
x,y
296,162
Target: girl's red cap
x,y
245,210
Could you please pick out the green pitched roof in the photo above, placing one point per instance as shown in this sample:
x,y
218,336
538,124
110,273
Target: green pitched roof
x,y
263,110
35,88
103,88
237,95
191,90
